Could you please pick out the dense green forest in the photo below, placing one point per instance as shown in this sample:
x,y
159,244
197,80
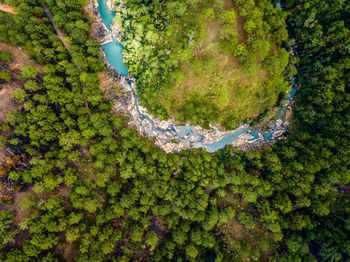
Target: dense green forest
x,y
206,61
98,191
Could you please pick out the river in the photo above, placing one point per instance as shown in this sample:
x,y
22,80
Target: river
x,y
188,136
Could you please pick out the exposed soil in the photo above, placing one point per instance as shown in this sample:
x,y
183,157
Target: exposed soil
x,y
242,34
66,251
108,86
233,229
20,59
229,4
212,34
7,103
20,214
63,191
69,253
22,237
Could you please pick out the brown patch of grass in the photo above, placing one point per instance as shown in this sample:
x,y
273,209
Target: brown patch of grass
x,y
106,82
69,253
242,34
20,214
233,229
232,91
43,196
22,237
63,191
212,29
229,4
84,151
233,226
87,171
20,59
7,103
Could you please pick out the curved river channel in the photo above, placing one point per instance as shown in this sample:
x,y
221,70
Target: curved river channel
x,y
188,136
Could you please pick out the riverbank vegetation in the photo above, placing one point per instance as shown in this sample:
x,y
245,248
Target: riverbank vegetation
x,y
206,61
98,191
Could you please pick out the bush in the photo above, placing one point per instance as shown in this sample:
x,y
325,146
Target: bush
x,y
6,57
5,75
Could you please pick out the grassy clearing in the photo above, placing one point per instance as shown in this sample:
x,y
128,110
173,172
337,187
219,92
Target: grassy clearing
x,y
208,61
226,90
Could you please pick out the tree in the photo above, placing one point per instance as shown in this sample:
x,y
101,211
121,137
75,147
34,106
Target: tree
x,y
136,234
6,57
191,251
7,230
28,72
246,219
151,239
6,75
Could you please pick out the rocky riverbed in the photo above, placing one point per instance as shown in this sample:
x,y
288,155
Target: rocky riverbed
x,y
167,134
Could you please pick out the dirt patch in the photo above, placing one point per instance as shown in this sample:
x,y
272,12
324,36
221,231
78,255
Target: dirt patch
x,y
7,102
63,191
106,82
20,214
233,230
66,251
242,34
20,59
229,4
212,29
69,253
22,237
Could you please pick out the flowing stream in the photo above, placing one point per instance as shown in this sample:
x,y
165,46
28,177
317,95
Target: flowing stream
x,y
113,51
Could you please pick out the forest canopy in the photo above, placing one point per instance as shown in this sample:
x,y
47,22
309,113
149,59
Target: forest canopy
x,y
85,187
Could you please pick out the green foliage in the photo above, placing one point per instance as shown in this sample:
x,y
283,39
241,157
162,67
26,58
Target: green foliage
x,y
6,57
191,251
136,234
7,231
6,75
151,239
28,72
246,219
104,189
211,219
